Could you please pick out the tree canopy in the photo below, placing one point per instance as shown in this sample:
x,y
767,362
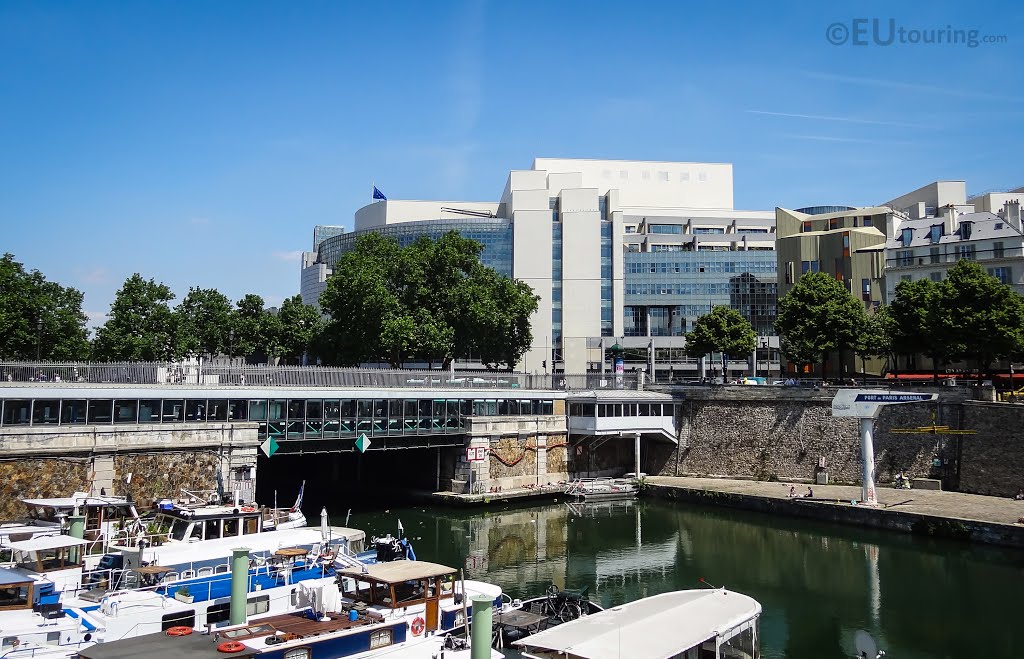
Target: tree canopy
x,y
203,323
140,325
818,317
298,326
722,330
39,317
432,301
254,330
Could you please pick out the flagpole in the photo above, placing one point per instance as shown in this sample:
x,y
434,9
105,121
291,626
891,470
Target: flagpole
x,y
373,186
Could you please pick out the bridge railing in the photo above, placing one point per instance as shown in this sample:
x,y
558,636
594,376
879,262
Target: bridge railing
x,y
248,375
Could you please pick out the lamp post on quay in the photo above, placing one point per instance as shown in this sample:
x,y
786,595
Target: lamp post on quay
x,y
39,337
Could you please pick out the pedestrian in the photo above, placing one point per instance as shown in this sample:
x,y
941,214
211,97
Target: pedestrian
x,y
810,493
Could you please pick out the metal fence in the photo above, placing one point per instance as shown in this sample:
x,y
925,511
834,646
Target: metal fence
x,y
246,375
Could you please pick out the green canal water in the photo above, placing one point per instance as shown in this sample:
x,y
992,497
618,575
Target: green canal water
x,y
818,583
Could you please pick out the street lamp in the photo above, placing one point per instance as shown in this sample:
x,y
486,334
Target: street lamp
x,y
39,337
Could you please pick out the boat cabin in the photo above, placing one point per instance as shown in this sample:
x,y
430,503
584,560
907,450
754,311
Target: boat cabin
x,y
686,624
49,553
15,590
400,584
101,513
187,524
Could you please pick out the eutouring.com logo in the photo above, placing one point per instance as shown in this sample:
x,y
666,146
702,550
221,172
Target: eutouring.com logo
x,y
887,32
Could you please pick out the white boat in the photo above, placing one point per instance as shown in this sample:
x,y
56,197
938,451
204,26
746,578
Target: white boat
x,y
602,489
400,609
687,624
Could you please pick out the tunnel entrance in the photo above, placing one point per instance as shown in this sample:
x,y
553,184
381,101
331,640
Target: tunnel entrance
x,y
361,481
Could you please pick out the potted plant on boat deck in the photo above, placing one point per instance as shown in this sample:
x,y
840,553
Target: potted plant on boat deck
x,y
183,595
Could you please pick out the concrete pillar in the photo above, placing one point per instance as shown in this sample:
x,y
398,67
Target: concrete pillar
x,y
636,448
480,645
867,454
239,584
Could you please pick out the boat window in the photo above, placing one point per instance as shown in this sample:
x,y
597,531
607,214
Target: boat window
x,y
251,525
218,613
15,596
410,591
44,560
257,605
298,653
380,639
212,529
740,646
179,619
230,528
178,529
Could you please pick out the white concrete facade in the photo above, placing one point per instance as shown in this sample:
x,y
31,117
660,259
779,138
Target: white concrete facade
x,y
574,224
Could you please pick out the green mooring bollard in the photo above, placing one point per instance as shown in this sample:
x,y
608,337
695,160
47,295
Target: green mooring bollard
x,y
480,644
239,584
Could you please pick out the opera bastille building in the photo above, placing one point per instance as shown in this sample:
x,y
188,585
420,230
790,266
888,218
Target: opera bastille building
x,y
619,251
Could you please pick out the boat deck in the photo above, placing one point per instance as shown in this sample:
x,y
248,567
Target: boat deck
x,y
302,625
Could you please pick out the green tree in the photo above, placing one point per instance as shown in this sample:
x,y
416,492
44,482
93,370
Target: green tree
x,y
39,317
722,330
300,326
876,339
818,317
983,317
203,323
432,300
254,330
918,325
140,325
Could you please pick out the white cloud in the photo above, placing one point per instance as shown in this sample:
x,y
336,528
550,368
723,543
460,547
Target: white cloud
x,y
95,275
95,318
288,256
822,117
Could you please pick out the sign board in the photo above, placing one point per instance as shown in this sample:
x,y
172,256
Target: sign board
x,y
865,404
476,454
269,447
363,443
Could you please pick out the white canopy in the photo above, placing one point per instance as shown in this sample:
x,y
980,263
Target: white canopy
x,y
652,628
47,542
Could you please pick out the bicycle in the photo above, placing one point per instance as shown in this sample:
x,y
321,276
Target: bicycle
x,y
564,605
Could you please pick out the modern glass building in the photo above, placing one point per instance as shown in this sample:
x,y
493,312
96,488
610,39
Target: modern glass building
x,y
617,251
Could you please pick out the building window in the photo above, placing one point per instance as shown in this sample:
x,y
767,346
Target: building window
x,y
906,237
997,250
935,276
806,227
630,228
867,220
965,251
833,223
1004,274
999,225
935,254
846,244
906,278
708,230
905,257
865,290
675,229
935,233
808,266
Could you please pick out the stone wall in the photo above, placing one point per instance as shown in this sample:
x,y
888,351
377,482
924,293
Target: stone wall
x,y
164,475
39,478
784,434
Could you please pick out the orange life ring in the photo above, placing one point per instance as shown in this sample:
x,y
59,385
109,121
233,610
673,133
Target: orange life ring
x,y
248,509
417,626
231,646
179,631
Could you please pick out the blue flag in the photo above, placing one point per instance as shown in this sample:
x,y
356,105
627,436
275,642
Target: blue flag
x,y
377,194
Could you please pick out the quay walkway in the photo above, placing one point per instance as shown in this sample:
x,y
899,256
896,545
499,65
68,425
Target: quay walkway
x,y
971,517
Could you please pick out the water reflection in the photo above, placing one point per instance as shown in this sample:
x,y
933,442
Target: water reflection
x,y
818,583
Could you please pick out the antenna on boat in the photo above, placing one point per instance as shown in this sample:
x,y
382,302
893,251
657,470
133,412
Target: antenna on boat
x,y
701,580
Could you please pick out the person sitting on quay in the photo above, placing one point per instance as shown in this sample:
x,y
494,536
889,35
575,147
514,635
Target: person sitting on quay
x,y
810,493
792,491
1020,495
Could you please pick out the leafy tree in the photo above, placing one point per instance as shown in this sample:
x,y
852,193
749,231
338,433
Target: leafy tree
x,y
432,300
254,330
917,324
299,327
983,317
203,322
819,316
722,330
39,317
140,325
876,339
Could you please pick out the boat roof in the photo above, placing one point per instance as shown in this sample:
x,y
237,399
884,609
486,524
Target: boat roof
x,y
10,577
77,499
652,628
399,571
177,553
42,543
192,646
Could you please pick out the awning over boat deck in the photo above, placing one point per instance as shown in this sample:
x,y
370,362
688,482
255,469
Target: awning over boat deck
x,y
47,542
10,577
652,628
399,571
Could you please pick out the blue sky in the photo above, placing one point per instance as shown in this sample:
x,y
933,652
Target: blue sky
x,y
198,143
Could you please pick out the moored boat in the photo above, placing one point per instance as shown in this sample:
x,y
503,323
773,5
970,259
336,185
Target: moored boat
x,y
602,489
689,624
